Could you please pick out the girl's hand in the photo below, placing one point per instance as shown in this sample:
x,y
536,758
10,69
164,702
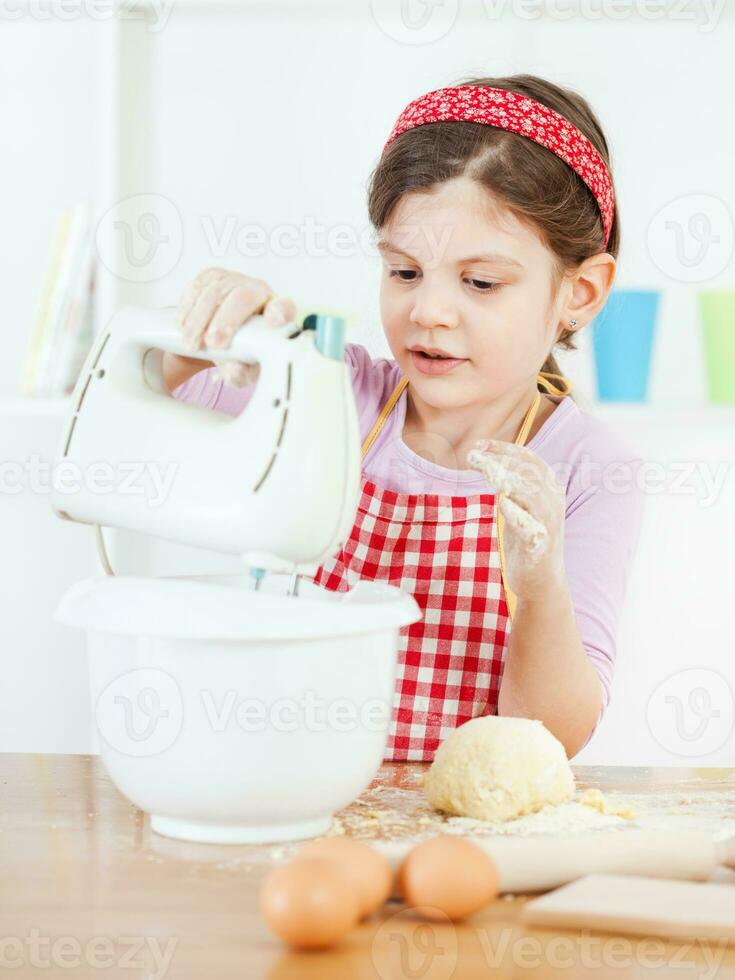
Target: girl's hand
x,y
533,505
217,303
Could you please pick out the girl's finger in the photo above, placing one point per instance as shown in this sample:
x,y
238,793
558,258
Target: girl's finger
x,y
529,481
519,492
238,306
279,310
518,459
521,481
208,301
532,532
496,468
518,453
193,289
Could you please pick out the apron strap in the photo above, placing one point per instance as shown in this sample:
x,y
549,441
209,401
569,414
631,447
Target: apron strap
x,y
550,387
382,418
510,597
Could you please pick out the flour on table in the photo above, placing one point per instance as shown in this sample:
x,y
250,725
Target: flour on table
x,y
395,813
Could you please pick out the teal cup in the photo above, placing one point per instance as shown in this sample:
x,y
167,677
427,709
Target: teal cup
x,y
622,336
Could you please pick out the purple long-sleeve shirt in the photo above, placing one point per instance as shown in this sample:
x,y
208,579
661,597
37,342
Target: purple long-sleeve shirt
x,y
604,499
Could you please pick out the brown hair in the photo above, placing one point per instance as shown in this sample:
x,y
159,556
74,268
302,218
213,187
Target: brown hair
x,y
529,180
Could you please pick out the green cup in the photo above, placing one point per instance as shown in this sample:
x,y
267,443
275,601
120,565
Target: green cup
x,y
717,309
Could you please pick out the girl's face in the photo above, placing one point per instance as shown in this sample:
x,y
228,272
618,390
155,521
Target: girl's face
x,y
463,278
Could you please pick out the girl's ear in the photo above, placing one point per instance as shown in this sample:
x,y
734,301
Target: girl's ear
x,y
591,285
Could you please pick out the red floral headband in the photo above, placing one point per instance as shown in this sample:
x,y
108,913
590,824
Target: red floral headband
x,y
521,115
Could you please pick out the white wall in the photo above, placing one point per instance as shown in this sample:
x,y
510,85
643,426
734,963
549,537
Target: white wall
x,y
44,705
273,116
674,640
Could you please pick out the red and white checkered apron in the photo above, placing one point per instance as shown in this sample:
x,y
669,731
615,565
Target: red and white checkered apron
x,y
447,552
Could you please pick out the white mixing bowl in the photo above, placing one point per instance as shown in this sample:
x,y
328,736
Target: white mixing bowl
x,y
239,716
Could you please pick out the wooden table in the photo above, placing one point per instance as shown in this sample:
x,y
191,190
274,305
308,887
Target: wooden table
x,y
87,890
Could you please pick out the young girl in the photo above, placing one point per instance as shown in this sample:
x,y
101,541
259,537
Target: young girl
x,y
486,492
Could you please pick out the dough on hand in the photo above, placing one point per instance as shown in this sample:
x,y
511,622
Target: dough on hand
x,y
498,768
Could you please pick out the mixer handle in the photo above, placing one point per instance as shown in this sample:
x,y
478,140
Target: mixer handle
x,y
257,341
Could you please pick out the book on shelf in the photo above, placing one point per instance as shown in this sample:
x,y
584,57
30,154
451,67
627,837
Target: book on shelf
x,y
62,334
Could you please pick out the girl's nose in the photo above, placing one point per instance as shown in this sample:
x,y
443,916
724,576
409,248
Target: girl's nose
x,y
431,309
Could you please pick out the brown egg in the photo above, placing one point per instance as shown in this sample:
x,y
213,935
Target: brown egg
x,y
309,903
369,873
450,875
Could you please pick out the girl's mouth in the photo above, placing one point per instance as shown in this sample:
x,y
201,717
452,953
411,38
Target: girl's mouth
x,y
434,365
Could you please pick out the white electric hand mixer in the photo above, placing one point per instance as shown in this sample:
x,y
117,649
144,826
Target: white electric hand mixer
x,y
277,485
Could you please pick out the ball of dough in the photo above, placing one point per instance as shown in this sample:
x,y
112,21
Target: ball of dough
x,y
498,768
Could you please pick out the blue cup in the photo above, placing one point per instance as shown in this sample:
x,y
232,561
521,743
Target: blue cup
x,y
622,336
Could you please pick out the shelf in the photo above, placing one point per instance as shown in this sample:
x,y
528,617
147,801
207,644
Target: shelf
x,y
707,414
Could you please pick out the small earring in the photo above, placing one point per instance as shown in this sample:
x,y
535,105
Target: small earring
x,y
572,324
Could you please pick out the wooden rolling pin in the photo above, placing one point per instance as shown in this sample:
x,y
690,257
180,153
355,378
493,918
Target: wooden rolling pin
x,y
533,864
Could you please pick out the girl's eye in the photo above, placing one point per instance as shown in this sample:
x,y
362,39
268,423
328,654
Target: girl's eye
x,y
479,284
